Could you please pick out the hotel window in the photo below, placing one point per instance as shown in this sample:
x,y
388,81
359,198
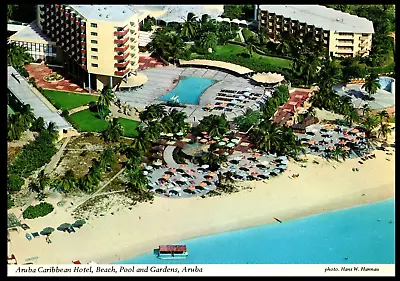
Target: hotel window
x,y
93,41
94,49
95,57
95,65
93,33
93,25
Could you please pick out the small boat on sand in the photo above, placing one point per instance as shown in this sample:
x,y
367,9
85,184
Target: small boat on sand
x,y
172,252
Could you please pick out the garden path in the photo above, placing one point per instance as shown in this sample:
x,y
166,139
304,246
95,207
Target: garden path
x,y
241,35
168,158
77,109
54,160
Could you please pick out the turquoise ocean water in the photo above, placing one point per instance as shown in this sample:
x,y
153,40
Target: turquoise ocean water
x,y
189,89
363,234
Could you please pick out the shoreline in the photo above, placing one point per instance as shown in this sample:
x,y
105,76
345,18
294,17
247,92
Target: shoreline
x,y
320,188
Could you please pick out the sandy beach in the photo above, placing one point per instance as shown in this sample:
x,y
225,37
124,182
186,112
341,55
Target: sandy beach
x,y
320,188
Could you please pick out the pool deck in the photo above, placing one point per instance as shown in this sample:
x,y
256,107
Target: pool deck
x,y
161,81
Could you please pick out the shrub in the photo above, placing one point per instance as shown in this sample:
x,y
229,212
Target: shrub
x,y
38,125
10,202
14,182
24,72
39,210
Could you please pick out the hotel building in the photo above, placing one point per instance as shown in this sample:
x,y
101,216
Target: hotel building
x,y
98,44
344,35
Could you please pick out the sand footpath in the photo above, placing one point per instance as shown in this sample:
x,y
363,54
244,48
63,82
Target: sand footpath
x,y
319,188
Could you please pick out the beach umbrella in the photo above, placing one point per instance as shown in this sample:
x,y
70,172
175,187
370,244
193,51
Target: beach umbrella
x,y
179,133
189,172
145,173
207,137
346,148
330,147
149,168
183,166
157,163
166,176
192,187
47,231
230,145
204,133
79,223
216,138
235,141
225,139
64,226
205,166
221,143
169,135
203,140
208,104
203,184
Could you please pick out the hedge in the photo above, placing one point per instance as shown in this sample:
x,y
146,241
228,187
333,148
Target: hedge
x,y
39,210
14,182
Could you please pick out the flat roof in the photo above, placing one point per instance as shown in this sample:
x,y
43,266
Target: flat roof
x,y
322,17
31,33
20,88
110,13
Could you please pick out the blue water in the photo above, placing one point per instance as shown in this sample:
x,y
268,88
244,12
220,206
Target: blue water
x,y
189,90
386,83
327,238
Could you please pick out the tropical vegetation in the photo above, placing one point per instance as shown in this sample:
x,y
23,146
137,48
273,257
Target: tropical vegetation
x,y
114,131
371,84
18,57
40,210
67,100
214,125
104,101
19,122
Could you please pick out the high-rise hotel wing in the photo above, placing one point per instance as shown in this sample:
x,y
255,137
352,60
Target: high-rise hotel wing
x,y
98,43
343,34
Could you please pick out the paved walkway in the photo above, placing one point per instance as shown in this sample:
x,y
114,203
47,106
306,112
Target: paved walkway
x,y
43,99
38,71
168,158
77,109
54,160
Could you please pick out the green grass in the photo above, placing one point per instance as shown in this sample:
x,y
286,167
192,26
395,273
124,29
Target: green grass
x,y
88,121
129,127
67,100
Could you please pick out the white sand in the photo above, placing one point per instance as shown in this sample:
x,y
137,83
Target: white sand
x,y
319,188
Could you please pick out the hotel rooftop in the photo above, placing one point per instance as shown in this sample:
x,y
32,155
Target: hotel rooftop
x,y
111,13
322,17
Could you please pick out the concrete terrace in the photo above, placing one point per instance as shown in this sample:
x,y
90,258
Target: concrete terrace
x,y
163,80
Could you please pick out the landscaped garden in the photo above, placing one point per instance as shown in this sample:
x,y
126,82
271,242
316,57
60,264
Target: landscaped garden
x,y
89,121
67,100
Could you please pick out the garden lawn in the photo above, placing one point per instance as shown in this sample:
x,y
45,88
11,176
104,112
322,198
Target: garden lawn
x,y
88,121
129,127
67,100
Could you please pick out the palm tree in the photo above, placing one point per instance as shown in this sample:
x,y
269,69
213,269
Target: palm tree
x,y
42,180
138,181
371,84
27,116
366,109
114,131
52,130
18,56
212,159
208,40
67,182
215,125
152,113
105,99
339,152
267,136
190,26
384,130
352,116
369,123
108,158
383,116
250,47
140,143
177,119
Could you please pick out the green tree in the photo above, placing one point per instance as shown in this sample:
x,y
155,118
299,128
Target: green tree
x,y
215,125
384,130
369,123
52,131
38,125
208,40
250,118
153,113
140,143
67,182
371,84
114,131
339,152
383,116
190,26
352,116
105,99
17,57
168,44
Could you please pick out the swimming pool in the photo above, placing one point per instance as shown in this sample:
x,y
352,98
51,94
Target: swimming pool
x,y
189,90
386,83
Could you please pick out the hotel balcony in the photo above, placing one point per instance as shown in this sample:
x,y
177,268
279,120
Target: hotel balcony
x,y
121,57
83,51
121,64
121,49
83,27
345,43
121,41
345,50
121,33
83,66
43,8
122,72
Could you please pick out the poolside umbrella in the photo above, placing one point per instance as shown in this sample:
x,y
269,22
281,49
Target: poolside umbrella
x,y
204,133
170,135
208,104
203,184
225,153
157,163
205,166
189,172
236,141
230,145
222,143
79,223
207,137
179,133
346,148
192,187
216,138
64,226
166,176
213,174
183,166
203,140
225,139
149,168
47,231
